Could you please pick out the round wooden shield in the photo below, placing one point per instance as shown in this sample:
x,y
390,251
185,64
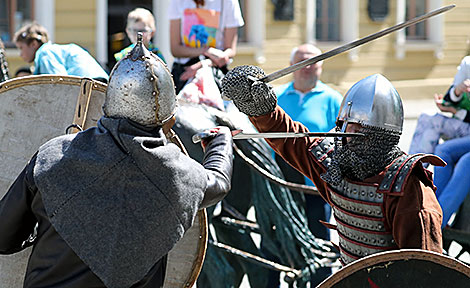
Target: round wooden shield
x,y
401,268
37,108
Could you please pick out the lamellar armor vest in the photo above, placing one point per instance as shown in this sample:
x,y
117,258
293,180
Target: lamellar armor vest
x,y
358,206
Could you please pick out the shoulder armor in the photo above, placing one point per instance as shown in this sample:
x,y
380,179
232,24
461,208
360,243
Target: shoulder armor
x,y
398,172
321,150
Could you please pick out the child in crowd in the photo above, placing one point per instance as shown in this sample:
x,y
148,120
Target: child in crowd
x,y
140,20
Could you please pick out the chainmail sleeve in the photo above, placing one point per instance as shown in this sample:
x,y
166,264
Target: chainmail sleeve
x,y
218,161
251,97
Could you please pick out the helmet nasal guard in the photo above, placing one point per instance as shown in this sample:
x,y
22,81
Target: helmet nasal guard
x,y
141,88
373,102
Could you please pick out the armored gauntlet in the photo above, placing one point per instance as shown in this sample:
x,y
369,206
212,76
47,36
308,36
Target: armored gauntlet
x,y
251,97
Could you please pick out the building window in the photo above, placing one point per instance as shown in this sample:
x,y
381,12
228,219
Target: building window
x,y
415,8
417,37
327,27
327,24
13,15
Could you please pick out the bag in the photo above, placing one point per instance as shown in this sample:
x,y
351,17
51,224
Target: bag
x,y
203,89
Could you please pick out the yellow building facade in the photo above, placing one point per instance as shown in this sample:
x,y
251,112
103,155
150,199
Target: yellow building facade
x,y
418,68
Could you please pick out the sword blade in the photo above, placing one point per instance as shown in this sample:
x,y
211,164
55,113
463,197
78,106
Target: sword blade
x,y
238,135
353,44
268,135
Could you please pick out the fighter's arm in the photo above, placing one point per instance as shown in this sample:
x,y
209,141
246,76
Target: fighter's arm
x,y
258,100
17,221
295,151
415,217
218,162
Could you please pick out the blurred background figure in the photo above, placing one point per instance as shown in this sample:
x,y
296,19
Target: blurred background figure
x,y
452,181
308,100
430,129
140,20
23,71
3,64
50,58
206,28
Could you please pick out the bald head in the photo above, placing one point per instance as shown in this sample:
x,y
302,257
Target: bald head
x,y
303,49
306,78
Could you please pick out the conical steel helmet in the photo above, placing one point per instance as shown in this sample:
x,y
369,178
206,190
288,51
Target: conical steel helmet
x,y
373,101
141,88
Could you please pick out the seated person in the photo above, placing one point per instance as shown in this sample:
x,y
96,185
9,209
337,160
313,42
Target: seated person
x,y
451,181
431,128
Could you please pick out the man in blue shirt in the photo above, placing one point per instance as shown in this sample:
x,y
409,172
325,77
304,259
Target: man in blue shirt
x,y
49,58
308,100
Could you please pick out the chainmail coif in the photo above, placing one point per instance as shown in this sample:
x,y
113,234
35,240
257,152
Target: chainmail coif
x,y
251,97
363,157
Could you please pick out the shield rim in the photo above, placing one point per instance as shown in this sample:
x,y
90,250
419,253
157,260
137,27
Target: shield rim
x,y
46,79
394,255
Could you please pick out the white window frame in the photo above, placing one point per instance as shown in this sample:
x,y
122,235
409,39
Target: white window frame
x,y
101,33
349,30
44,14
435,28
255,22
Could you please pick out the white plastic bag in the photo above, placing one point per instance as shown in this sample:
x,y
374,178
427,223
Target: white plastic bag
x,y
202,89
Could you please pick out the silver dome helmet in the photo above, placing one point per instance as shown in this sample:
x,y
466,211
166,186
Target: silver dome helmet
x,y
373,102
141,88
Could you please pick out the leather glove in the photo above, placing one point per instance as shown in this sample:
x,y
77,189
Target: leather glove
x,y
218,162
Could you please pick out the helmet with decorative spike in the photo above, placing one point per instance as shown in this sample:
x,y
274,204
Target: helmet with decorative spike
x,y
141,88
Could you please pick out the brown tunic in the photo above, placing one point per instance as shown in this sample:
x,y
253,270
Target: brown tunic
x,y
415,217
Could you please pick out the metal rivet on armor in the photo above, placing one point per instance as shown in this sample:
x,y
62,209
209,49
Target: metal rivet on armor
x,y
389,176
154,93
354,191
369,212
371,194
397,187
374,241
380,226
400,177
386,186
382,241
379,195
151,78
154,108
